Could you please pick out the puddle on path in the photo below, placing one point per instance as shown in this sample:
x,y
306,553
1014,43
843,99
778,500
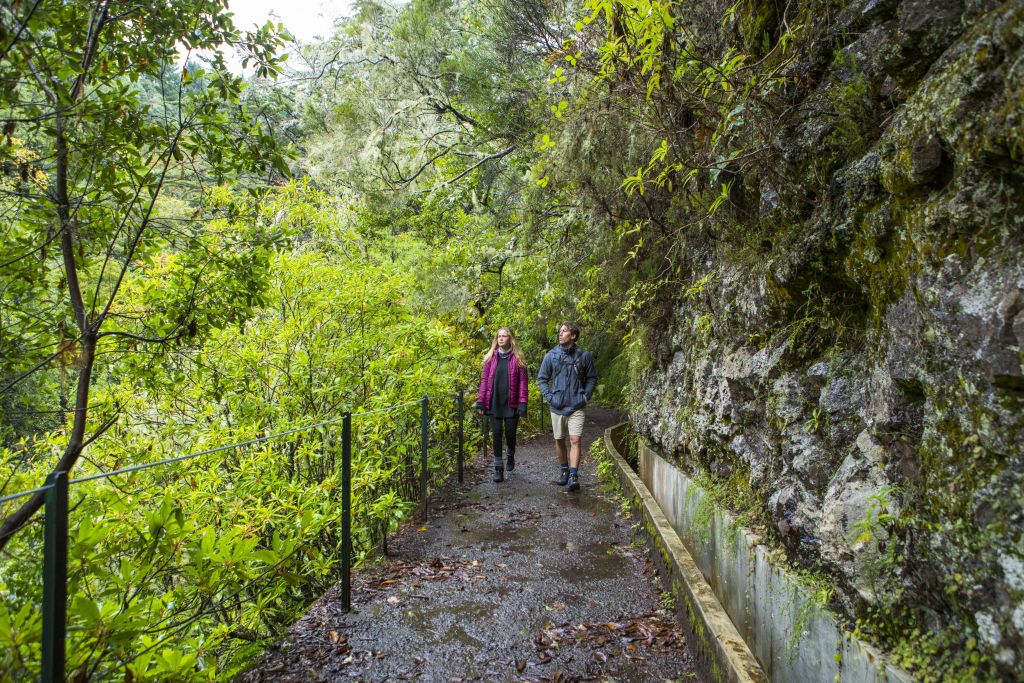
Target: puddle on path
x,y
494,536
593,562
442,624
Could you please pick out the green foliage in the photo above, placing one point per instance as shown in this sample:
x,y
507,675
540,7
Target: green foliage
x,y
88,152
856,116
876,517
606,469
818,590
824,320
184,571
735,496
934,656
662,63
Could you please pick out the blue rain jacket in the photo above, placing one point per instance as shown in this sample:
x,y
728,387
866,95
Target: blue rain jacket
x,y
567,378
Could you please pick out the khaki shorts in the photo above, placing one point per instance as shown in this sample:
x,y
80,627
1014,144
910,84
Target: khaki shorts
x,y
573,424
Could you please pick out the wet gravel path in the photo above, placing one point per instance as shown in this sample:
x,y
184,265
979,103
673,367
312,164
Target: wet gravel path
x,y
517,581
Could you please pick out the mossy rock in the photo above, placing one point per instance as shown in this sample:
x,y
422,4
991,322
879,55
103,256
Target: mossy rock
x,y
758,25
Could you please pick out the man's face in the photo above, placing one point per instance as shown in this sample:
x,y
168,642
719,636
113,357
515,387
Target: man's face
x,y
564,336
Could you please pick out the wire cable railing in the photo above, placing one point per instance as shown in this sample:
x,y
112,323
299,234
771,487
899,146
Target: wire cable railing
x,y
419,477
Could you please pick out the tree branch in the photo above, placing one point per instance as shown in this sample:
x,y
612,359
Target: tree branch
x,y
490,157
21,29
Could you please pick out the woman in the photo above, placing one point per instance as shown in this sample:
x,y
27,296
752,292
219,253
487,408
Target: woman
x,y
504,389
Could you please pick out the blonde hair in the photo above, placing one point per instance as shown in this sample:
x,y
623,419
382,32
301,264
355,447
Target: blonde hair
x,y
520,358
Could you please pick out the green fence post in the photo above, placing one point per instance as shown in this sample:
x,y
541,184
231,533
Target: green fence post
x,y
484,433
55,578
424,427
461,408
346,511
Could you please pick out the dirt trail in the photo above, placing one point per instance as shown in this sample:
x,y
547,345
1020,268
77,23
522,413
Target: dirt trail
x,y
517,581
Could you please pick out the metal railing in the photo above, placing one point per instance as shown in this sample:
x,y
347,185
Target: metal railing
x,y
56,513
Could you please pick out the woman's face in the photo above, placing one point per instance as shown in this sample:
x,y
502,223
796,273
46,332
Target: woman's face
x,y
504,339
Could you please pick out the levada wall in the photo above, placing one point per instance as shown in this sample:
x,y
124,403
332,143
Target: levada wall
x,y
792,637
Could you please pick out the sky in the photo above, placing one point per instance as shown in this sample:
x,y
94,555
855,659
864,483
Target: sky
x,y
305,19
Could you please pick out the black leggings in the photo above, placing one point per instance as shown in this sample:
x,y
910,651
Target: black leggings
x,y
508,425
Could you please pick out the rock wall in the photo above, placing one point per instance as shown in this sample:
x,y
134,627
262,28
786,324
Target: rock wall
x,y
853,357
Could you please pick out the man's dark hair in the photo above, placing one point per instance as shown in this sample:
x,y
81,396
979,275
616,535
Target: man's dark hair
x,y
573,327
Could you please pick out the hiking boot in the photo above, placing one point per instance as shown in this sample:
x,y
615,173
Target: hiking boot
x,y
499,475
563,478
574,483
511,462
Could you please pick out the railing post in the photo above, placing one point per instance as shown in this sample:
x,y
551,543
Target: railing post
x,y
540,404
346,512
55,577
484,433
424,427
461,409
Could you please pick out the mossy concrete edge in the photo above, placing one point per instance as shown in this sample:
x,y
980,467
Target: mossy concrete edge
x,y
714,634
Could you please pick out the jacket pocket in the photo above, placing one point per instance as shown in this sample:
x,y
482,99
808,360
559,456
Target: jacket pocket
x,y
558,399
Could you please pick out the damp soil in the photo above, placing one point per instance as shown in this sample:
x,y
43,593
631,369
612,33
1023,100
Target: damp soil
x,y
515,581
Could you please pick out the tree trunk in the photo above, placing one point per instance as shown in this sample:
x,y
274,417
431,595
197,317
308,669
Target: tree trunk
x,y
87,332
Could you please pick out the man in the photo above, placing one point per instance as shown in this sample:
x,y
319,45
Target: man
x,y
566,379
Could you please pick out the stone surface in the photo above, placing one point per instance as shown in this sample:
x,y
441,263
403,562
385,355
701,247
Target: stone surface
x,y
863,377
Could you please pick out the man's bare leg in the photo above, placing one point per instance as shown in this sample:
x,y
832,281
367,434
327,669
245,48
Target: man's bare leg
x,y
574,451
560,451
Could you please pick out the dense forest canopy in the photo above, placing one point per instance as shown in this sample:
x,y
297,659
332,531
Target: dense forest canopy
x,y
192,258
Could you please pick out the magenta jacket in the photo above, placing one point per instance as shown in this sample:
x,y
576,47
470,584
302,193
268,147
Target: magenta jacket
x,y
518,382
